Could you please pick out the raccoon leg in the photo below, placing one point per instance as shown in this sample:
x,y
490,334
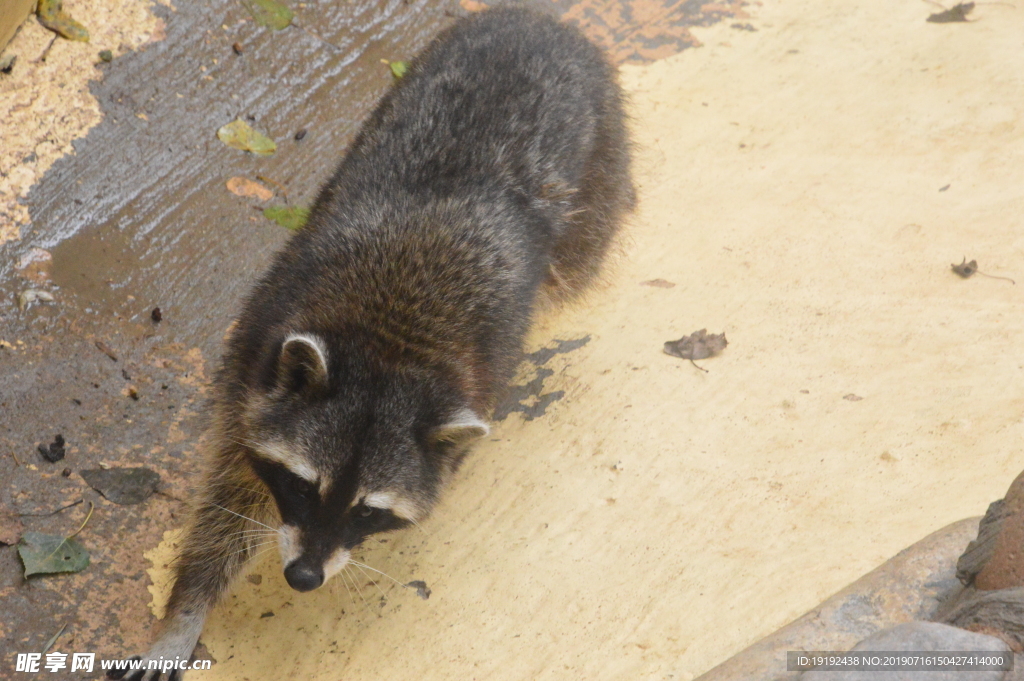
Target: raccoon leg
x,y
222,536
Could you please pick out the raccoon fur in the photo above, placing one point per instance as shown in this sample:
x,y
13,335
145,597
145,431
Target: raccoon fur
x,y
367,359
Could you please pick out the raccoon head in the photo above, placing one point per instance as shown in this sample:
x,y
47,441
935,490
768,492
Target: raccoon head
x,y
349,447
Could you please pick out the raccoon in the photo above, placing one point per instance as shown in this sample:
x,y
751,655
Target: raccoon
x,y
366,361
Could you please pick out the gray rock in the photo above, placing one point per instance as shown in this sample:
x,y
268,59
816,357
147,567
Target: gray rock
x,y
919,637
909,586
1018,669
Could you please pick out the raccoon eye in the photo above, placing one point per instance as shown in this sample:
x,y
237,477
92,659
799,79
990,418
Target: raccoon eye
x,y
365,511
303,488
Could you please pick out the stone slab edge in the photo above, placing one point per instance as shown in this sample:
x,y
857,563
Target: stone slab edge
x,y
12,13
909,586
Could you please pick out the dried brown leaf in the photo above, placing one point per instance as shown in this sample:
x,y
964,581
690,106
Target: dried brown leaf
x,y
698,345
957,12
242,186
966,269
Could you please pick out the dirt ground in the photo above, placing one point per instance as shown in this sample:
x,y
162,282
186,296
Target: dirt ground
x,y
806,177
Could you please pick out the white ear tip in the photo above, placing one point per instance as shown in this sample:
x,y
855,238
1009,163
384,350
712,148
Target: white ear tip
x,y
467,418
311,341
464,422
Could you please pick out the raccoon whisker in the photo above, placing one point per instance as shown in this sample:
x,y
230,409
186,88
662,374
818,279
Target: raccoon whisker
x,y
244,442
358,566
258,529
213,558
358,591
364,565
252,534
245,517
258,504
254,546
255,556
248,541
418,526
344,583
243,488
257,544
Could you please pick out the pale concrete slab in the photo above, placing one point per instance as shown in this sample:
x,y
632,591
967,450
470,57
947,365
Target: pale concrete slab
x,y
658,519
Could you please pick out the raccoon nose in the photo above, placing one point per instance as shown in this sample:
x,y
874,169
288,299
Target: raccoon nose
x,y
303,577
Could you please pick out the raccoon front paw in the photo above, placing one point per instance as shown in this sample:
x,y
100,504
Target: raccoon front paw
x,y
153,667
169,657
149,668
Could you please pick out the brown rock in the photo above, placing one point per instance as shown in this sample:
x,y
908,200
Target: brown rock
x,y
1005,569
995,613
979,551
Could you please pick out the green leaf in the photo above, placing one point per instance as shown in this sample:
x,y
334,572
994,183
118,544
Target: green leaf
x,y
239,135
398,68
292,217
47,554
270,13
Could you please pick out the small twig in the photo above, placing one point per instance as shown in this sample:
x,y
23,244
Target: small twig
x,y
42,57
106,350
16,462
92,507
53,640
80,528
264,178
699,367
47,515
314,35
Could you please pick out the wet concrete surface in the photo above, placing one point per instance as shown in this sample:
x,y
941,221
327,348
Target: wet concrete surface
x,y
140,217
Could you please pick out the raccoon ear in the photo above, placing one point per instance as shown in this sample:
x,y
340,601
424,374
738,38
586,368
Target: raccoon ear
x,y
302,363
463,426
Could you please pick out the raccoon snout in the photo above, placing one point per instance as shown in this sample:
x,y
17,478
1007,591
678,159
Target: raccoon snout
x,y
302,576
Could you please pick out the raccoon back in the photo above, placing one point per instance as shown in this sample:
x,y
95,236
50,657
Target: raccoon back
x,y
474,177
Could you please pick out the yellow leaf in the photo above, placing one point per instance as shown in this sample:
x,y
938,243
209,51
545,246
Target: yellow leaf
x,y
239,135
